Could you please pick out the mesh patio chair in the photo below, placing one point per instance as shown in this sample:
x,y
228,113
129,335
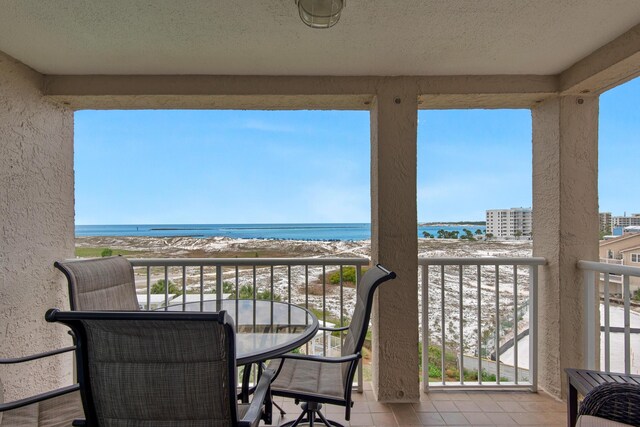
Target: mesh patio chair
x,y
100,284
55,408
617,402
142,369
315,380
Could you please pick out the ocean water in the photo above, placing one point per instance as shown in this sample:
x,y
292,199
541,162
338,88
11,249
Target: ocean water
x,y
347,231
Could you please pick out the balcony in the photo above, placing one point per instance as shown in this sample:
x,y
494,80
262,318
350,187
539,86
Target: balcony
x,y
257,55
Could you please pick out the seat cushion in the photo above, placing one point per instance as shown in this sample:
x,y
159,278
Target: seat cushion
x,y
589,421
306,378
57,412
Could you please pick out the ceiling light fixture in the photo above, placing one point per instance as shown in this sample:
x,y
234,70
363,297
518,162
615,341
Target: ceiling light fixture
x,y
320,13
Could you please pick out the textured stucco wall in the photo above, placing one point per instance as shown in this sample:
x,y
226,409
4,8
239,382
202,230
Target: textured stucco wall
x,y
395,243
565,228
36,226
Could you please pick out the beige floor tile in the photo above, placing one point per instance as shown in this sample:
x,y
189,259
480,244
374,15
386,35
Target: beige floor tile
x,y
424,407
528,418
454,418
447,395
467,406
510,406
358,408
404,413
384,419
490,406
478,419
430,419
361,420
500,418
377,407
445,406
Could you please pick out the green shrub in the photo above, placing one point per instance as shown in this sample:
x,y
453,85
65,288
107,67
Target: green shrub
x,y
348,275
160,288
106,252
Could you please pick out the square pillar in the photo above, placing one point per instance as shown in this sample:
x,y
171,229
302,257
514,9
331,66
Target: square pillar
x,y
565,228
36,228
394,242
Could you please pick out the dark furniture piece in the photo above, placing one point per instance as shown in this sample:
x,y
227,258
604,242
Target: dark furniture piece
x,y
161,369
623,389
315,380
613,401
100,284
53,408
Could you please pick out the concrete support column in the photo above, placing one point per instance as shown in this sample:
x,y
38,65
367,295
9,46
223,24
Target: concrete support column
x,y
394,242
36,228
565,228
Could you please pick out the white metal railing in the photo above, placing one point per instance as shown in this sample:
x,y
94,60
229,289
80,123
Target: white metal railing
x,y
600,278
494,303
318,284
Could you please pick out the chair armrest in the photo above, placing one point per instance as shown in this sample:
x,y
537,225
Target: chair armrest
x,y
343,328
36,356
261,394
322,359
614,401
8,406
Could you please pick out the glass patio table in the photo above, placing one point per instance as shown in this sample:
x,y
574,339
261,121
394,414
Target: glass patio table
x,y
264,329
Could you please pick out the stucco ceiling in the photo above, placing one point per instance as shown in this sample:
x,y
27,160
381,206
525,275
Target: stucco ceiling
x,y
266,37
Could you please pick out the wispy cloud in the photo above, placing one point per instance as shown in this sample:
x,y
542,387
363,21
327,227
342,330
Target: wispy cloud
x,y
265,126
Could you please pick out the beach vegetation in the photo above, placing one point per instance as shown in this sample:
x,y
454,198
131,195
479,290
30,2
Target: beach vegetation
x,y
468,235
97,252
348,275
478,232
246,292
444,234
427,235
106,252
160,288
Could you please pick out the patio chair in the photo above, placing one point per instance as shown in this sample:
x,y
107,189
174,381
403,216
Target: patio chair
x,y
611,404
55,408
175,369
315,380
100,284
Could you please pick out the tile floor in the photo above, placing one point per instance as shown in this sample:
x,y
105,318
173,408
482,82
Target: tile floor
x,y
447,409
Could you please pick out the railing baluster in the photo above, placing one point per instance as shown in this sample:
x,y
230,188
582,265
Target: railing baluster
x,y
627,325
607,326
324,309
166,287
461,327
442,322
425,328
533,327
218,282
202,288
479,278
148,287
497,344
184,287
515,321
360,371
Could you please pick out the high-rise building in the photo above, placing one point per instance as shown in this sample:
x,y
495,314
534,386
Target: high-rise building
x,y
625,221
514,223
605,222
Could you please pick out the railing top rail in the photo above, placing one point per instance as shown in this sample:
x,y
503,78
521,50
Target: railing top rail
x,y
481,261
609,268
187,262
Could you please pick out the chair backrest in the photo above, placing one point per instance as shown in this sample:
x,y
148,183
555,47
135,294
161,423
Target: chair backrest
x,y
147,368
100,284
359,325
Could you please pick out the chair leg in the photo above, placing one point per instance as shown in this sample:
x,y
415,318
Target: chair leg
x,y
310,415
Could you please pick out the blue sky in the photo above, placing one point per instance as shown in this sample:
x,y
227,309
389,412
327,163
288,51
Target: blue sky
x,y
162,167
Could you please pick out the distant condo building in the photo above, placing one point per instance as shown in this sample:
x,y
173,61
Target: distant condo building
x,y
625,221
605,222
514,223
